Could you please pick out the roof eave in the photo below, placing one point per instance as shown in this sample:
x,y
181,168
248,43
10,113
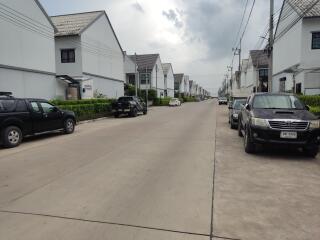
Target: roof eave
x,y
46,15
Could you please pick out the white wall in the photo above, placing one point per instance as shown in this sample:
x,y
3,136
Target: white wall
x,y
23,48
158,78
108,61
110,88
71,69
33,85
170,83
310,58
129,65
287,49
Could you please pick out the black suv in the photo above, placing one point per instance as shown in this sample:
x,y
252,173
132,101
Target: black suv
x,y
278,119
25,117
130,106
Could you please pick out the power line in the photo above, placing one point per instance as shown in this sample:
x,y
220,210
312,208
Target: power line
x,y
244,13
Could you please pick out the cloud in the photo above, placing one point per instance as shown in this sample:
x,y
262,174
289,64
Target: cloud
x,y
172,16
138,7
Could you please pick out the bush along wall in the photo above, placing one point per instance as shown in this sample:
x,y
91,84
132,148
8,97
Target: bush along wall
x,y
86,109
161,101
313,102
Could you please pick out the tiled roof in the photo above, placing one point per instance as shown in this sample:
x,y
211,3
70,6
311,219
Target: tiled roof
x,y
145,61
178,77
166,67
74,24
302,6
259,58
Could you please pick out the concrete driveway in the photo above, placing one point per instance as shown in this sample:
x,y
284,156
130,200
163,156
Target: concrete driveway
x,y
152,177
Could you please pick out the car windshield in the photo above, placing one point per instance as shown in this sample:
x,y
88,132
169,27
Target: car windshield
x,y
125,99
238,103
174,99
223,98
277,102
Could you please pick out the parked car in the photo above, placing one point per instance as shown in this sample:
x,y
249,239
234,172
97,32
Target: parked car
x,y
24,117
174,102
234,110
129,106
278,119
222,100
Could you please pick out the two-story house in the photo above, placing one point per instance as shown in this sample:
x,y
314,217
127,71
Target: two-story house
x,y
27,58
296,53
151,75
88,51
168,79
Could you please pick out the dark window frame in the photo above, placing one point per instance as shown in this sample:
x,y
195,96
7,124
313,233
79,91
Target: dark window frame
x,y
315,42
70,55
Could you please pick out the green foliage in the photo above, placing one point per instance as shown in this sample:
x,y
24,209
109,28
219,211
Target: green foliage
x,y
86,109
161,101
315,110
189,99
310,100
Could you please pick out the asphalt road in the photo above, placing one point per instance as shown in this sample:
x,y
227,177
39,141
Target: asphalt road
x,y
152,177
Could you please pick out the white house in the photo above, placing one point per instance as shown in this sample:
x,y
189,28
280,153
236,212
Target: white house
x,y
168,79
130,70
151,75
27,55
88,51
297,48
186,81
254,73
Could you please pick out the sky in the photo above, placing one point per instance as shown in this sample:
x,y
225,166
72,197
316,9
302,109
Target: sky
x,y
196,36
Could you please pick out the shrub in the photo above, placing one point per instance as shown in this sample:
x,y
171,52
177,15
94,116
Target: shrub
x,y
315,110
161,101
310,100
80,102
189,99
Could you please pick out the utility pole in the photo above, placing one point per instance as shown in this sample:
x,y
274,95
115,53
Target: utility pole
x,y
136,76
271,41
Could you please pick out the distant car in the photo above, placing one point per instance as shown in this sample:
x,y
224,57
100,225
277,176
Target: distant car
x,y
278,119
129,106
222,100
25,117
234,110
174,102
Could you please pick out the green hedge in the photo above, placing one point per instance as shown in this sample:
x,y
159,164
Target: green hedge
x,y
80,102
161,101
310,100
189,99
315,110
88,111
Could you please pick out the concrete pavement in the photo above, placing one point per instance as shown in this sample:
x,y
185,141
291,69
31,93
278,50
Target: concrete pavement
x,y
152,177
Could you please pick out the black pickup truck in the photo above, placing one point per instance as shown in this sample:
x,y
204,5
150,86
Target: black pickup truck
x,y
26,117
130,106
278,119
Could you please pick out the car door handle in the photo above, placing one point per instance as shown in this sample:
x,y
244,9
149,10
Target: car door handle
x,y
45,115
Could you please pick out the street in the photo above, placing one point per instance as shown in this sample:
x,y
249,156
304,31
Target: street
x,y
176,173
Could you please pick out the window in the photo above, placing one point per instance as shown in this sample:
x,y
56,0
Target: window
x,y
298,88
21,106
7,105
46,107
68,56
35,106
263,72
145,78
277,102
316,40
282,87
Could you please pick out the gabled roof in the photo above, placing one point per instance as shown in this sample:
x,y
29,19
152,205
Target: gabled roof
x,y
166,67
46,15
74,24
259,58
178,77
145,61
303,6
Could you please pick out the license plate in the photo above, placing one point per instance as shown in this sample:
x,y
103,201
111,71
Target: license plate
x,y
289,135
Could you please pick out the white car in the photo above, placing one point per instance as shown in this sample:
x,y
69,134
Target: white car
x,y
174,102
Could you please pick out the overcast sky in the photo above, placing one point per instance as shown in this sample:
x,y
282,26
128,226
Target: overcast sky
x,y
196,36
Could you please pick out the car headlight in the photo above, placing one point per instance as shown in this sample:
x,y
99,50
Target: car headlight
x,y
259,122
314,124
235,115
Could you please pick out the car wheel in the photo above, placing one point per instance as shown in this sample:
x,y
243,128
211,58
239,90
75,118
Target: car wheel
x,y
134,112
145,112
311,151
12,137
249,146
69,126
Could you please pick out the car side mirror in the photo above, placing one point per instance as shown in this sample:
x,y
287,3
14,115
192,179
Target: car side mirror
x,y
247,107
55,109
307,108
